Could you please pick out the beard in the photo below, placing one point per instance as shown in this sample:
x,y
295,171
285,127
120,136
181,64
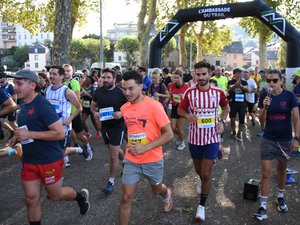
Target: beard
x,y
107,85
202,82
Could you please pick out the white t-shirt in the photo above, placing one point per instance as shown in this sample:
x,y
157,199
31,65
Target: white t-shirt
x,y
250,97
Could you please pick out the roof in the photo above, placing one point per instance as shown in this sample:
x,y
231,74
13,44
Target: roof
x,y
235,47
271,55
40,48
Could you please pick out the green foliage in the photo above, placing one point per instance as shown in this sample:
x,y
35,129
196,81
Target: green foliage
x,y
168,48
129,45
21,55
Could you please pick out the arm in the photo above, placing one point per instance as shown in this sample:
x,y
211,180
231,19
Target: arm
x,y
166,135
223,116
71,97
56,132
8,106
296,122
94,110
190,117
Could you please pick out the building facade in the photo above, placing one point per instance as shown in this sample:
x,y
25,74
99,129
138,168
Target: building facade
x,y
39,57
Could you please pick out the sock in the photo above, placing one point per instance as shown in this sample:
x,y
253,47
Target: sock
x,y
79,197
35,223
263,201
280,193
88,147
66,159
203,198
112,180
79,150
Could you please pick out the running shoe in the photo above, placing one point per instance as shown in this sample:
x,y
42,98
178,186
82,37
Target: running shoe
x,y
88,135
200,214
85,205
181,146
168,202
67,164
90,156
109,188
198,189
97,135
177,142
261,214
260,133
282,207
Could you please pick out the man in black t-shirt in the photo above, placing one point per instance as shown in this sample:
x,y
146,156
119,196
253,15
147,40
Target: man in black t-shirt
x,y
105,107
237,102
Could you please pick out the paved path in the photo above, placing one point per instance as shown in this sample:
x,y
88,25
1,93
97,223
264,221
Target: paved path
x,y
225,204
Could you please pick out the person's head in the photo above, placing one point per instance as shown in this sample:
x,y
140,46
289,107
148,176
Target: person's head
x,y
132,85
142,71
202,72
26,83
237,73
89,80
218,71
177,76
119,80
213,83
165,71
44,79
109,78
85,72
68,71
57,74
246,74
297,76
155,75
264,74
252,70
275,79
212,70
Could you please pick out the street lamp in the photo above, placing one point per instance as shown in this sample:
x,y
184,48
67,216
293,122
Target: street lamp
x,y
101,61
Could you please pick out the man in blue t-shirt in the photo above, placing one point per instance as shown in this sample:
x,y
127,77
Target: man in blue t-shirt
x,y
39,132
146,80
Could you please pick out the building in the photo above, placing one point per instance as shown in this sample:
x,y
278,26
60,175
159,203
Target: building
x,y
122,29
39,57
7,35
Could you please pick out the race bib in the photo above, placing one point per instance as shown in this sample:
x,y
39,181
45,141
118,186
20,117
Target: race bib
x,y
239,98
27,141
86,104
55,104
177,98
137,138
106,113
206,120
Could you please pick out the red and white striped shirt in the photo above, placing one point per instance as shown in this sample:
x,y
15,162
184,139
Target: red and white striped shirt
x,y
203,104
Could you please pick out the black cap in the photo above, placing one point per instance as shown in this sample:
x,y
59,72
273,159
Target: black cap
x,y
26,74
237,70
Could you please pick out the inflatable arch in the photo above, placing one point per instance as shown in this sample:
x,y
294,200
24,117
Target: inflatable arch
x,y
257,9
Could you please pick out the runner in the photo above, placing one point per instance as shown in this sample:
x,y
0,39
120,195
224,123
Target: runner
x,y
39,132
106,105
203,102
279,109
176,91
148,129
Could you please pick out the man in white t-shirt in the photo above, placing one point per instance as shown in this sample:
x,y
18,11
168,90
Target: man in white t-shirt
x,y
250,95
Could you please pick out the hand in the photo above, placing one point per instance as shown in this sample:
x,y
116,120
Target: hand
x,y
136,148
156,94
267,101
117,115
191,118
295,145
22,134
220,128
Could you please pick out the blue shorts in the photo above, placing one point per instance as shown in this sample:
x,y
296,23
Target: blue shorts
x,y
132,172
209,151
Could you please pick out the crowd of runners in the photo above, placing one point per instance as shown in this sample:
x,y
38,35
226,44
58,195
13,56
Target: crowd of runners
x,y
45,116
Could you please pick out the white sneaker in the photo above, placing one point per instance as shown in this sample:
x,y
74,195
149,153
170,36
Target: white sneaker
x,y
181,146
200,214
198,189
177,142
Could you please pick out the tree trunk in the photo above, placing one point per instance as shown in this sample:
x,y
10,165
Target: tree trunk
x,y
144,30
199,56
182,48
263,63
62,32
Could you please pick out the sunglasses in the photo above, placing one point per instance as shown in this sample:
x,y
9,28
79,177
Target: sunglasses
x,y
273,80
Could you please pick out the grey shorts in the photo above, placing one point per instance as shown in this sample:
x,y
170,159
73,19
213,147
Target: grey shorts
x,y
132,172
271,150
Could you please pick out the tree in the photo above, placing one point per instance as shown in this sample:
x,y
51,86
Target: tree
x,y
21,55
148,9
129,45
167,49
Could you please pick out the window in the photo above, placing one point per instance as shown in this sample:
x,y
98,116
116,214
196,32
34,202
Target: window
x,y
120,58
36,57
218,63
36,65
35,50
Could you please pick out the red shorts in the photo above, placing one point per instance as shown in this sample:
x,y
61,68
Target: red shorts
x,y
48,173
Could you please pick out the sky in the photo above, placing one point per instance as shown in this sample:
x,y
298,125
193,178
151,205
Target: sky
x,y
114,11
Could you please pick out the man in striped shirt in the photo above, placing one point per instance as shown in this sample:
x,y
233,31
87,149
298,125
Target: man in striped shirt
x,y
205,128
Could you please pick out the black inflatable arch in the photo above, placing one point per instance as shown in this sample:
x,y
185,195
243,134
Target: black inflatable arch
x,y
258,9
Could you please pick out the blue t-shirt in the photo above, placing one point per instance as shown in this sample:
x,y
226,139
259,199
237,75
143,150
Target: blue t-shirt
x,y
8,89
146,83
3,97
278,122
37,116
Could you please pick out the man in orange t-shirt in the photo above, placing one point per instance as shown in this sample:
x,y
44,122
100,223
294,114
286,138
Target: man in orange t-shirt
x,y
148,129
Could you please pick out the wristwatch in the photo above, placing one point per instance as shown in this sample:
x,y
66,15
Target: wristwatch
x,y
297,138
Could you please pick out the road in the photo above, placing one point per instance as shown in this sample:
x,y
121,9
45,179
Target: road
x,y
225,204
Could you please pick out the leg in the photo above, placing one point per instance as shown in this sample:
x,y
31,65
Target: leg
x,y
56,192
206,169
32,190
265,177
84,117
173,125
281,168
125,203
114,160
179,127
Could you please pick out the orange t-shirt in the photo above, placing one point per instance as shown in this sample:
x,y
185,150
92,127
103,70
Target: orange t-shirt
x,y
144,121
